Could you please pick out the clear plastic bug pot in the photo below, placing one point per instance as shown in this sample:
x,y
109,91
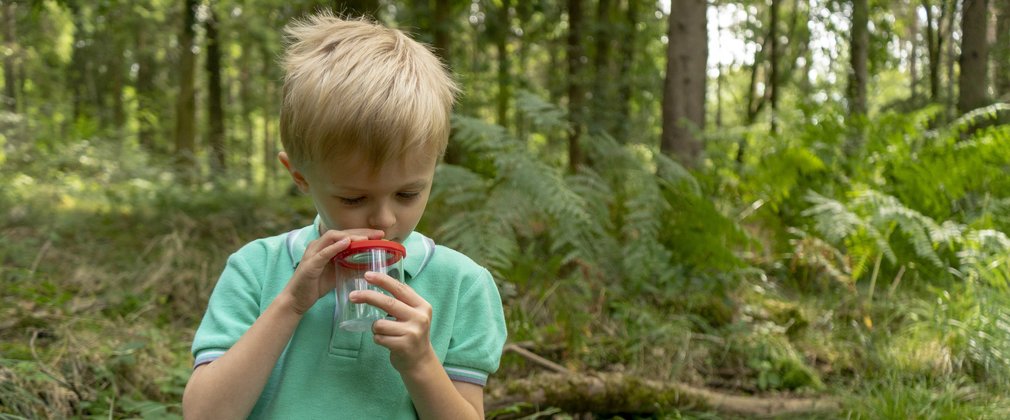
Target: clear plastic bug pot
x,y
351,264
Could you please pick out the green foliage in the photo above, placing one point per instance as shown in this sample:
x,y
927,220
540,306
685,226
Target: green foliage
x,y
896,398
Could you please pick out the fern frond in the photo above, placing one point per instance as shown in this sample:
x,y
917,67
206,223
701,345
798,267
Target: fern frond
x,y
645,208
675,174
458,186
884,210
811,251
476,136
832,219
976,116
545,116
483,234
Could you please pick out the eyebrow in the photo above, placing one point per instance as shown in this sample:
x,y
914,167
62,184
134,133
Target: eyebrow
x,y
416,184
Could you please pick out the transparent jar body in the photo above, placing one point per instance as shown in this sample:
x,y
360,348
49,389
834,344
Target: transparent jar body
x,y
351,266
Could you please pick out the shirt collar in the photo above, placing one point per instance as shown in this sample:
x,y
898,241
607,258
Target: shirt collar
x,y
420,248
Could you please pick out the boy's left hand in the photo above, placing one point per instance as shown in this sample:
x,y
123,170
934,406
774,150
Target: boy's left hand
x,y
406,337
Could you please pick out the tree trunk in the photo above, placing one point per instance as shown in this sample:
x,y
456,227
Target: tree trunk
x,y
440,28
76,72
10,97
934,43
501,36
951,58
684,89
247,99
602,80
773,77
524,14
215,102
860,47
1001,50
974,61
627,53
913,56
185,104
269,144
756,102
145,89
575,90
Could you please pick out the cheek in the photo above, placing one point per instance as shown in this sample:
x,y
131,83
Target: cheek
x,y
336,218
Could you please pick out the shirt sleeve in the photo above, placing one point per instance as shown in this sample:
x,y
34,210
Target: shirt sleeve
x,y
478,333
234,306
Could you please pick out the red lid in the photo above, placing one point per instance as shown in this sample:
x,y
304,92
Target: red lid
x,y
393,249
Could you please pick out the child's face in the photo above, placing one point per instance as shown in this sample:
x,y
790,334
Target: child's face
x,y
349,193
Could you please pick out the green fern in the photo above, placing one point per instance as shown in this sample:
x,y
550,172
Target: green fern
x,y
544,116
866,225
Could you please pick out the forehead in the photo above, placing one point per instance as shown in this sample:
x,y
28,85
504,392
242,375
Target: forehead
x,y
355,171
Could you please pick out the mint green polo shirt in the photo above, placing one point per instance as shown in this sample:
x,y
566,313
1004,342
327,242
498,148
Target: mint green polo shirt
x,y
326,372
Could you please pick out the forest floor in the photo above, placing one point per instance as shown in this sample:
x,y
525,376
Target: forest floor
x,y
101,291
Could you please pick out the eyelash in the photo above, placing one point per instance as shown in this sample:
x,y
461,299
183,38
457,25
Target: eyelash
x,y
351,201
406,196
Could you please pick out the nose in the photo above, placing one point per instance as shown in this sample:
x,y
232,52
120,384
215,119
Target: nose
x,y
382,217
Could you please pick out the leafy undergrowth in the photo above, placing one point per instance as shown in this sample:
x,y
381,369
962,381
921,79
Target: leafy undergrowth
x,y
629,268
99,307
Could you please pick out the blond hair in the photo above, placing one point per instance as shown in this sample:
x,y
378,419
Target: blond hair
x,y
357,86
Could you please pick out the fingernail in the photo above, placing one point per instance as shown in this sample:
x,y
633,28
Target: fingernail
x,y
353,295
344,241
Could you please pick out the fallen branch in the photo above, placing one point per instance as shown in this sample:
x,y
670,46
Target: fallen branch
x,y
535,358
612,393
618,393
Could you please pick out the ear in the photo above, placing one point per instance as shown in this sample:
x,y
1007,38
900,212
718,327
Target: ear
x,y
297,176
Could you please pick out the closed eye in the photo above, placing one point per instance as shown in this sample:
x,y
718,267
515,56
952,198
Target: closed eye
x,y
350,201
408,195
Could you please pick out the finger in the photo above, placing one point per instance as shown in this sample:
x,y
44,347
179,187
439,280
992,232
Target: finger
x,y
389,327
363,233
391,305
326,254
398,289
331,236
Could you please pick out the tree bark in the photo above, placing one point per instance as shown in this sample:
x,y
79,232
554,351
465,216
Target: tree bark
x,y
77,71
440,28
215,102
974,60
575,88
684,88
860,47
913,56
1001,50
185,104
501,36
934,44
773,77
144,85
10,97
624,79
602,80
247,100
950,101
269,144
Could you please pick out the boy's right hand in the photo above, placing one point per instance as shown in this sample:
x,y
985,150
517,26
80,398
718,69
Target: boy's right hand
x,y
315,275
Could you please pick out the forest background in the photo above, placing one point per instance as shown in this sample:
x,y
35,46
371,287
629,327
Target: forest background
x,y
697,209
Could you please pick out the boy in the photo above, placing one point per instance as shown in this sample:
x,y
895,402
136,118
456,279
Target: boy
x,y
365,117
